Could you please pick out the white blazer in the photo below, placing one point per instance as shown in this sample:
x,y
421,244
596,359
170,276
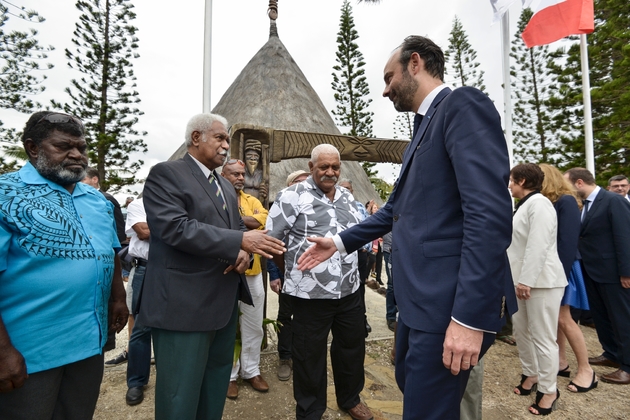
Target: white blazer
x,y
533,253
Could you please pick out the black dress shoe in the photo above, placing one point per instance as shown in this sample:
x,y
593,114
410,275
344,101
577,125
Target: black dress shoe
x,y
135,395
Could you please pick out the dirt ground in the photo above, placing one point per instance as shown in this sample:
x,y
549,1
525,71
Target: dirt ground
x,y
502,373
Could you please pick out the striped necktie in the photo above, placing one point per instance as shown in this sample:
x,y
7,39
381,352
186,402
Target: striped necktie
x,y
215,187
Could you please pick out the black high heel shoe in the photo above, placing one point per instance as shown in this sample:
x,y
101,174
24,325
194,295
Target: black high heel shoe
x,y
582,388
544,411
565,373
525,391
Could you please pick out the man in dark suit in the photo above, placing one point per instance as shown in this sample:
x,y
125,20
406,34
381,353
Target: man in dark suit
x,y
199,248
451,215
604,246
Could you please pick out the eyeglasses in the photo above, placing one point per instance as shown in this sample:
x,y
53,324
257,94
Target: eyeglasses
x,y
233,161
59,118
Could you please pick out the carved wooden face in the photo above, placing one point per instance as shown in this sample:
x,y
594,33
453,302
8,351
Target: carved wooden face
x,y
251,159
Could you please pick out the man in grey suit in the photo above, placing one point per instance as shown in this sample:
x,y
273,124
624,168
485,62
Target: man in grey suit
x,y
199,251
604,246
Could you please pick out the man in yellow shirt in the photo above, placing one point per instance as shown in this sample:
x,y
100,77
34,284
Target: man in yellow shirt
x,y
254,216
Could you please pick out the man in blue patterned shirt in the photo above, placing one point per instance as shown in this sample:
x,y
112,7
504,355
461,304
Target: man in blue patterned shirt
x,y
327,297
58,266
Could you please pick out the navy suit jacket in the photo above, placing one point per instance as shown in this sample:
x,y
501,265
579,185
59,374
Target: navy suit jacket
x,y
605,238
451,218
568,214
193,240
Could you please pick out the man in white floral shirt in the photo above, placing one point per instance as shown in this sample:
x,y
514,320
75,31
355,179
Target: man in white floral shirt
x,y
325,298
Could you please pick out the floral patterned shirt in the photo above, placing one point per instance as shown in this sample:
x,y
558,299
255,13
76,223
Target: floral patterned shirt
x,y
303,210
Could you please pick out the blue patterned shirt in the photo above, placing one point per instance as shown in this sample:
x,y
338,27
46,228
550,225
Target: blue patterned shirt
x,y
56,268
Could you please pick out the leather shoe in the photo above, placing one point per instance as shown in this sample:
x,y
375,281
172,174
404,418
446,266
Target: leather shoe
x,y
232,392
360,412
258,383
618,377
135,395
602,361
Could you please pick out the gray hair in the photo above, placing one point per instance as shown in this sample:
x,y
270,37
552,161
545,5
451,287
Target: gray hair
x,y
326,149
617,178
201,123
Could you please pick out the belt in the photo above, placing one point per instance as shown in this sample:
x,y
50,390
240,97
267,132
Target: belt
x,y
140,262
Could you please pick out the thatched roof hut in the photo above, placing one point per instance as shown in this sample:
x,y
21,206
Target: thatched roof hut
x,y
271,91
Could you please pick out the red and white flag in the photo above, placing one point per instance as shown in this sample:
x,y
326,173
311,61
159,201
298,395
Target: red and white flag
x,y
556,19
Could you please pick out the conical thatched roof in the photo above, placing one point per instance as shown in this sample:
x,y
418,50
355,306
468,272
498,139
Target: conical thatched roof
x,y
272,91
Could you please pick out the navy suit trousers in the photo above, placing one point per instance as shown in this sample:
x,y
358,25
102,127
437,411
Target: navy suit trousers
x,y
430,391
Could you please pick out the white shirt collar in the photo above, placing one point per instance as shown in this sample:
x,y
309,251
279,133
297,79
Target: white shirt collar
x,y
203,167
593,194
426,103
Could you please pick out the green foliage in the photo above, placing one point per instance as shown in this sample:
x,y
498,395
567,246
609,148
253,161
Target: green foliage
x,y
536,138
20,61
105,97
609,64
403,126
383,188
349,81
461,58
350,84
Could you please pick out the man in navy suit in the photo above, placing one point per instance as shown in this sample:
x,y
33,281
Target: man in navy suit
x,y
451,215
604,246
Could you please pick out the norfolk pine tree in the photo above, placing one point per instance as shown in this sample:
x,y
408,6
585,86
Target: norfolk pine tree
x,y
609,71
535,137
105,97
20,57
350,85
461,58
403,125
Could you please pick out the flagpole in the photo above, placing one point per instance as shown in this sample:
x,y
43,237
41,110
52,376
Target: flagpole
x,y
507,86
588,119
207,55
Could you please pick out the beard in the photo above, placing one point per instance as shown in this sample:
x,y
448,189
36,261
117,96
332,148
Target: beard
x,y
58,173
405,93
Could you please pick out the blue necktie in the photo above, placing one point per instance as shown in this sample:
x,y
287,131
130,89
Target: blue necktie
x,y
416,124
585,210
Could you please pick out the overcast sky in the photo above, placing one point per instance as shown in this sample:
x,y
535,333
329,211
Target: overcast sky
x,y
170,67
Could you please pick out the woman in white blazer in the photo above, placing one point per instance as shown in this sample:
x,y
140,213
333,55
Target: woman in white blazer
x,y
539,280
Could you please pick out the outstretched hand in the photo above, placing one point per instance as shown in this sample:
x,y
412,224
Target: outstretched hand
x,y
258,242
321,250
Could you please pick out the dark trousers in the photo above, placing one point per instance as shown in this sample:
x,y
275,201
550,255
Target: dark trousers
x,y
313,319
610,307
364,272
390,300
139,354
193,371
362,262
66,392
379,265
285,336
430,391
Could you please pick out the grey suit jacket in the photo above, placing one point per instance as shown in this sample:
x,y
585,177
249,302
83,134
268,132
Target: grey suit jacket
x,y
193,241
604,242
